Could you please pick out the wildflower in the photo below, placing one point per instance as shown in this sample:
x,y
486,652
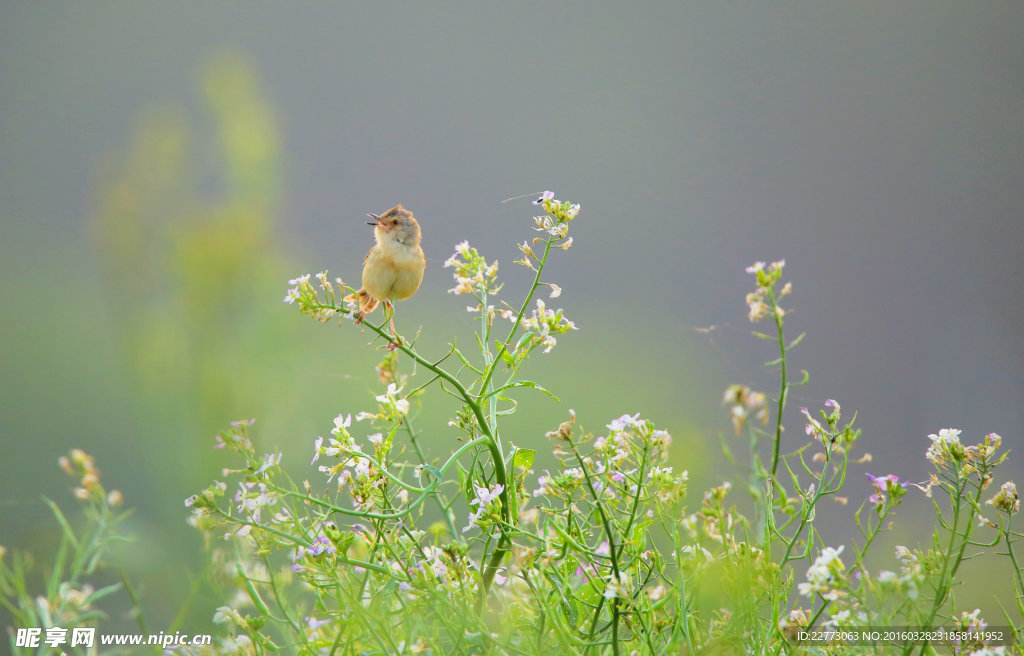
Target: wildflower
x,y
813,426
744,402
543,324
341,422
390,404
483,502
842,618
824,575
301,288
617,587
226,614
547,195
473,275
970,622
885,487
1006,499
797,620
624,422
564,431
269,460
322,544
757,308
945,446
544,484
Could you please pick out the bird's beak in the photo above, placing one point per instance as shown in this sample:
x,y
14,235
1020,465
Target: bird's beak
x,y
377,221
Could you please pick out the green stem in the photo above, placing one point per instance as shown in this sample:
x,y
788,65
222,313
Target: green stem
x,y
611,542
784,388
522,311
437,497
951,565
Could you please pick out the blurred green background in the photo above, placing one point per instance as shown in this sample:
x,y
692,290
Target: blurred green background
x,y
164,169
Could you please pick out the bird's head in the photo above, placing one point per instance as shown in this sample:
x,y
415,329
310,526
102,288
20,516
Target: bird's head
x,y
397,224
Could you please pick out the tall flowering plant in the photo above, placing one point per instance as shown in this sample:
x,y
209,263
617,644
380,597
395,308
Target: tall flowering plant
x,y
488,549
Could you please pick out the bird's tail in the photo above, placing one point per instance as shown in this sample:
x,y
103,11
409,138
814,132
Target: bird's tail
x,y
366,302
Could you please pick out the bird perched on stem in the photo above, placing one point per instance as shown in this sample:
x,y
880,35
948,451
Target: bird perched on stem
x,y
393,269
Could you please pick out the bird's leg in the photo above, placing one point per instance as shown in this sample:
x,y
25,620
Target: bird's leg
x,y
389,309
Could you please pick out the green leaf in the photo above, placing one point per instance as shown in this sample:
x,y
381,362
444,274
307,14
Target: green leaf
x,y
762,335
639,537
103,592
523,458
522,383
799,338
506,357
508,411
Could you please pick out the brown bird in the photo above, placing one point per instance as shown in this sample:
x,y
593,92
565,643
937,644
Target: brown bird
x,y
393,269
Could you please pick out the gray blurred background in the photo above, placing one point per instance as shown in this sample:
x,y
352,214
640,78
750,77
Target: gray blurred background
x,y
166,168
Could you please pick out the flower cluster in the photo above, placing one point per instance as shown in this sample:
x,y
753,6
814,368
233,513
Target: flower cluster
x,y
541,327
911,569
81,465
487,506
1006,499
947,451
744,403
473,275
362,475
827,430
826,576
390,407
303,293
762,300
887,490
945,447
612,467
559,214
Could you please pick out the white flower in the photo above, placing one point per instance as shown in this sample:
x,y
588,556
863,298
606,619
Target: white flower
x,y
484,497
945,445
389,400
622,423
228,614
824,574
617,586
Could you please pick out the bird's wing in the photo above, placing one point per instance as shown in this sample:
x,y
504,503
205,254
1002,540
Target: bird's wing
x,y
368,254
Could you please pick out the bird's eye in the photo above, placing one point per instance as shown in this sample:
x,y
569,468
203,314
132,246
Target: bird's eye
x,y
395,222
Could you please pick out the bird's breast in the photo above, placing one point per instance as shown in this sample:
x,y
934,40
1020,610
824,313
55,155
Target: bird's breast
x,y
393,270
